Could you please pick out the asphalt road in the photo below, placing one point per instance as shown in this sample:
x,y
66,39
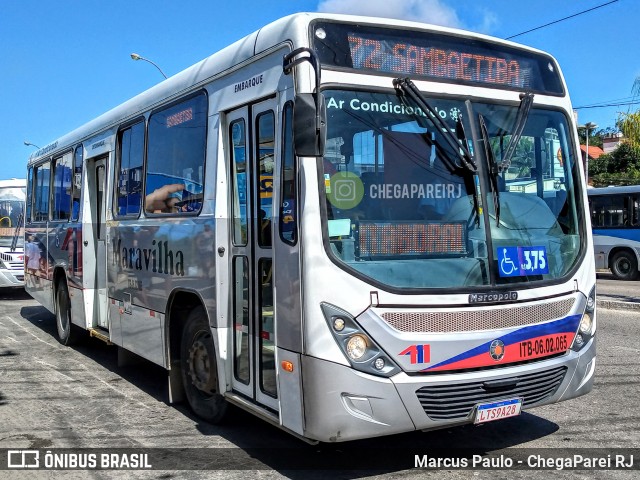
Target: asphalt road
x,y
617,293
55,397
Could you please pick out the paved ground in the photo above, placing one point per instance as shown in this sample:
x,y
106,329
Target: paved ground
x,y
617,294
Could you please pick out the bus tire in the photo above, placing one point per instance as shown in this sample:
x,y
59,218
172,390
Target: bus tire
x,y
199,368
624,265
68,333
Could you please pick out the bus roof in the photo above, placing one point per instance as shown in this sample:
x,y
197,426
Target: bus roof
x,y
614,190
13,182
292,29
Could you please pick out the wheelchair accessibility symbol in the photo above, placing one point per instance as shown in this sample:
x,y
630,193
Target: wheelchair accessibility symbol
x,y
507,267
522,261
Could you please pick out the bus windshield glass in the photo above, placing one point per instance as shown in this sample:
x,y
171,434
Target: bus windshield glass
x,y
404,210
11,206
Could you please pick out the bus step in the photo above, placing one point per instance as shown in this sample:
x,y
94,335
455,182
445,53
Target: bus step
x,y
100,335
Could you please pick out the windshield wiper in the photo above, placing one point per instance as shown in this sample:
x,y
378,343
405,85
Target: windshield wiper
x,y
458,143
16,232
494,170
526,100
406,86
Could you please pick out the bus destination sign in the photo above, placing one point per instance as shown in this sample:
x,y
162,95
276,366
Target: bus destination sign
x,y
436,56
397,56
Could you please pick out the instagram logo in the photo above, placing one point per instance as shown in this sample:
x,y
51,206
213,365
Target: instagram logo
x,y
345,190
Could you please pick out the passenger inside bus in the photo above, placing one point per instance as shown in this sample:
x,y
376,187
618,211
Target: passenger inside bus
x,y
164,199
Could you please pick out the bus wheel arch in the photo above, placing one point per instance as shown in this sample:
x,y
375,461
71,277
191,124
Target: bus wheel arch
x,y
199,368
623,264
191,347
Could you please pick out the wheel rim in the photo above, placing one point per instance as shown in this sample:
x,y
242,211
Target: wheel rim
x,y
201,371
624,266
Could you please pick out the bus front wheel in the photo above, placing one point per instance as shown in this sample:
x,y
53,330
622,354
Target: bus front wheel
x,y
624,265
199,368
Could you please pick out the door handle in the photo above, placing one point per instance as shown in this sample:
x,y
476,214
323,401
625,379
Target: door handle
x,y
221,251
86,243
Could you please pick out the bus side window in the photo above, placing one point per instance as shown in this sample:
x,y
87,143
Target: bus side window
x,y
128,195
265,140
41,190
175,157
76,183
62,179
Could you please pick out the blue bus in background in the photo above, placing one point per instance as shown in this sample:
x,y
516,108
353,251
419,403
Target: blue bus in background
x,y
615,220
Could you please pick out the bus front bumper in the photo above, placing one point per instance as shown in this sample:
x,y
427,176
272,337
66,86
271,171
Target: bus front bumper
x,y
343,404
11,278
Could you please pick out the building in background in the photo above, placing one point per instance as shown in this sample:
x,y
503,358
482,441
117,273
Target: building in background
x,y
611,141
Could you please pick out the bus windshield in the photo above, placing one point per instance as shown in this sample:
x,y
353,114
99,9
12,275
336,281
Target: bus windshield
x,y
11,206
404,209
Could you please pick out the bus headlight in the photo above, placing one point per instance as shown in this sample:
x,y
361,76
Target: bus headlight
x,y
358,347
587,326
586,323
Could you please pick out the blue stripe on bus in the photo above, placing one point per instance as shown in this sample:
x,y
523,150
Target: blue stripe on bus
x,y
626,233
568,324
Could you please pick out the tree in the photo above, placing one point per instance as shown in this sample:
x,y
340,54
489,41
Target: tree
x,y
620,167
629,123
595,137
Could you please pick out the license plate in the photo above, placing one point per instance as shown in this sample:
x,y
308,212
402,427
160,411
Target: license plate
x,y
488,412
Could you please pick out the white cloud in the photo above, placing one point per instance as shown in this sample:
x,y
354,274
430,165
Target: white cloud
x,y
436,12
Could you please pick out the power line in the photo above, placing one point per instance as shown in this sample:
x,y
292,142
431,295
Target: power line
x,y
562,19
629,98
604,105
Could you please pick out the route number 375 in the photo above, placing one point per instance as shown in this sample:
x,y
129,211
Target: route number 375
x,y
534,260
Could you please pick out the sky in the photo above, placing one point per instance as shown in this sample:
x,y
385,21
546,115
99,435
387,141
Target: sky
x,y
64,62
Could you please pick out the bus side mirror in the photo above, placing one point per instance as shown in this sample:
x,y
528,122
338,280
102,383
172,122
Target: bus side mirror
x,y
309,124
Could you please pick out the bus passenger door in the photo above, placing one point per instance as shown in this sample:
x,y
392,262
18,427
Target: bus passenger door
x,y
97,183
251,136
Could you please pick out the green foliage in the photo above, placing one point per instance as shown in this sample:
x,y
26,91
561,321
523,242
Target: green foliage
x,y
523,158
595,137
620,167
629,125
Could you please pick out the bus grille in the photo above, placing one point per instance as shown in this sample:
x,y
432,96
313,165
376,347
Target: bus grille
x,y
474,320
457,401
14,262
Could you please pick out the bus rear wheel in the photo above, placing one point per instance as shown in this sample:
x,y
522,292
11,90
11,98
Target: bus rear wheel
x,y
68,333
624,265
199,368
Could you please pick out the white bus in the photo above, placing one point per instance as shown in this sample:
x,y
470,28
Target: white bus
x,y
615,220
12,199
351,227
